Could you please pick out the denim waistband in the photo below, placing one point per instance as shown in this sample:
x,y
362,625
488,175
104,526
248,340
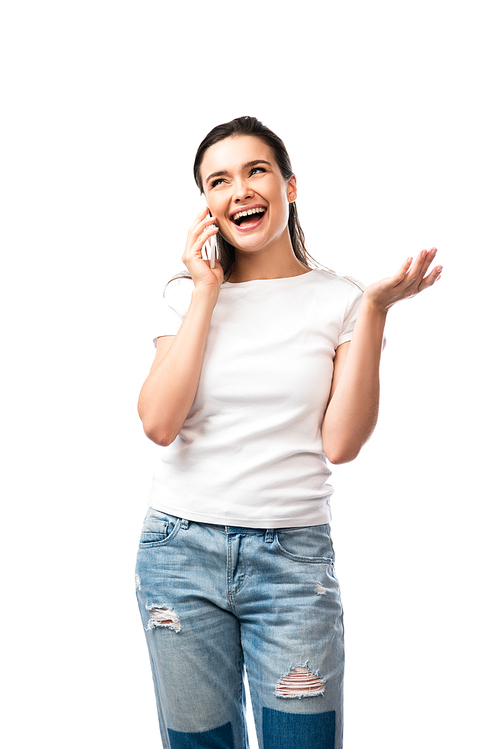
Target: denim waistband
x,y
232,529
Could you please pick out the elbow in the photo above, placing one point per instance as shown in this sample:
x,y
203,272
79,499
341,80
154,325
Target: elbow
x,y
158,436
339,456
344,446
154,427
341,451
158,433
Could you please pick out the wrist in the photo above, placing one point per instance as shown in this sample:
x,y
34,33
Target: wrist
x,y
206,295
374,309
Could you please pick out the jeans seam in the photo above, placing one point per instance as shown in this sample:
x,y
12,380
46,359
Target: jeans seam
x,y
296,558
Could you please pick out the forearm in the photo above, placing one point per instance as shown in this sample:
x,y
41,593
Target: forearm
x,y
352,413
170,389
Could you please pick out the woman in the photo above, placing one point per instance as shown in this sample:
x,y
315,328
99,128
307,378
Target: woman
x,y
235,565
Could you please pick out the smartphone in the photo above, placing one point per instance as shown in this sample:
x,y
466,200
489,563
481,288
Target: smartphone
x,y
210,248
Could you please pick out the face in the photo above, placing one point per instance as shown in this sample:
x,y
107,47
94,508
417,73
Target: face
x,y
240,175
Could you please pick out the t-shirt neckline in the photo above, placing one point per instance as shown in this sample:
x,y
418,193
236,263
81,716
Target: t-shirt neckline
x,y
292,279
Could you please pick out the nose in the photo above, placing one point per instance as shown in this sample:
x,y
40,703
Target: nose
x,y
242,191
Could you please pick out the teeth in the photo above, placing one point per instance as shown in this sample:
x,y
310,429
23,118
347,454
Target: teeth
x,y
248,213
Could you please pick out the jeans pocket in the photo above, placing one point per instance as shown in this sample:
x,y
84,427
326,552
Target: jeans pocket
x,y
311,544
158,528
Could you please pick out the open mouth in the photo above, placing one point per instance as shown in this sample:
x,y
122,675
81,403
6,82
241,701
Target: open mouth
x,y
248,218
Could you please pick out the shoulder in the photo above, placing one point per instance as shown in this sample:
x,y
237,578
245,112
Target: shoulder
x,y
330,278
345,289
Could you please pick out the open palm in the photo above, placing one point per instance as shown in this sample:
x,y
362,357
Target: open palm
x,y
410,280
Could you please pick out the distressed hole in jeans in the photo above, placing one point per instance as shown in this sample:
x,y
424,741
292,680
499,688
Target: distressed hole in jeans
x,y
300,682
164,616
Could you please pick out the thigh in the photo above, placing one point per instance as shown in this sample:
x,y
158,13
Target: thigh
x,y
292,635
194,643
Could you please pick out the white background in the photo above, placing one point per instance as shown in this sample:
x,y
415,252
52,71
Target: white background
x,y
390,113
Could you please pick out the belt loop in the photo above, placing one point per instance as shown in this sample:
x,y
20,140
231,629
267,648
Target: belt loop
x,y
269,535
184,524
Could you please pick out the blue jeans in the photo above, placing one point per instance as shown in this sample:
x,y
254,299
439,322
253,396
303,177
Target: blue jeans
x,y
215,599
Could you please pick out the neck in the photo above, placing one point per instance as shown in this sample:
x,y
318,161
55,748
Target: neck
x,y
264,264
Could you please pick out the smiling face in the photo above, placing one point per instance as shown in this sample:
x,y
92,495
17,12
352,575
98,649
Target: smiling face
x,y
247,194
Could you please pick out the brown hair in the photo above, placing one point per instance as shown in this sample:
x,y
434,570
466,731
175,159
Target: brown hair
x,y
252,126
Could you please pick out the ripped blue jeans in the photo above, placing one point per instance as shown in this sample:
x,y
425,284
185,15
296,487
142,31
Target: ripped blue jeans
x,y
216,599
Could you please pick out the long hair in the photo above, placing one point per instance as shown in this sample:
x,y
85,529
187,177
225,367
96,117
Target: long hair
x,y
252,126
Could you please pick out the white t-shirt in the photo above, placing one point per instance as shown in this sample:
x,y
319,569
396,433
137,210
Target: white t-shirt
x,y
250,453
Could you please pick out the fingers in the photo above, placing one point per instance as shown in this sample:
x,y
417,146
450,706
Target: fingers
x,y
402,272
423,280
409,280
201,230
203,226
421,264
208,227
416,275
431,278
207,231
202,214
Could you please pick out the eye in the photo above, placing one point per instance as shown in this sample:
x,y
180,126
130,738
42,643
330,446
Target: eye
x,y
257,169
215,182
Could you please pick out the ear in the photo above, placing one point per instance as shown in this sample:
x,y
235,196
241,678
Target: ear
x,y
291,190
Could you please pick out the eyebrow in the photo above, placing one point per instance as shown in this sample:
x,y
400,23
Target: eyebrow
x,y
223,172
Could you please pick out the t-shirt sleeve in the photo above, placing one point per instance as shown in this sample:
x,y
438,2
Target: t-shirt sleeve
x,y
352,309
173,307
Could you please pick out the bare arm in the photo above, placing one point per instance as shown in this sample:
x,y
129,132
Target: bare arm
x,y
170,388
352,410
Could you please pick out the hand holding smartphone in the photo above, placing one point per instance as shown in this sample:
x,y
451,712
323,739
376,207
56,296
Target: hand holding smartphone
x,y
210,249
